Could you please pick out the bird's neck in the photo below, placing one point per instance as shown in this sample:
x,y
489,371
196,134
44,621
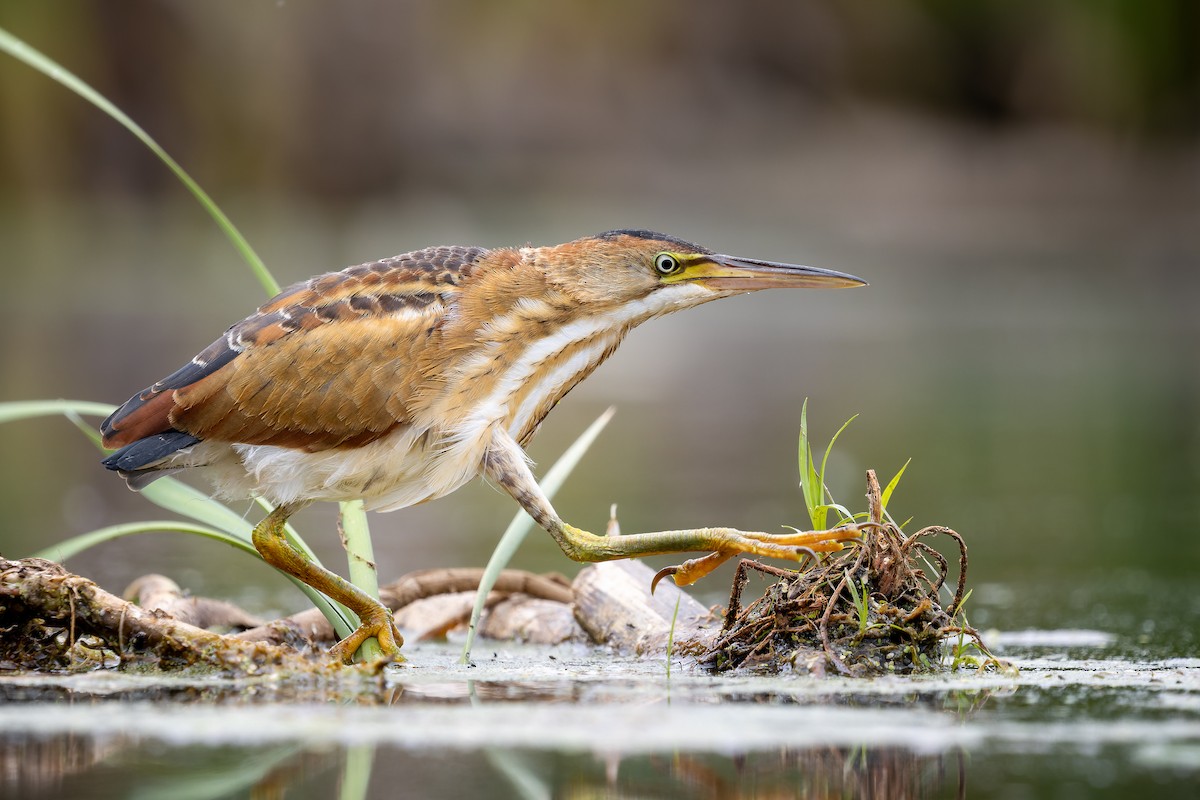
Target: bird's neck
x,y
517,345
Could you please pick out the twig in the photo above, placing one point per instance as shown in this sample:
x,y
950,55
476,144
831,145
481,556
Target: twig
x,y
934,530
824,627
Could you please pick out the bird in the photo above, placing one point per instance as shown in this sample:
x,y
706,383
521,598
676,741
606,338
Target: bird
x,y
397,381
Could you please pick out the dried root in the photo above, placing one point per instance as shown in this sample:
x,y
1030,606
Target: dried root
x,y
873,609
52,620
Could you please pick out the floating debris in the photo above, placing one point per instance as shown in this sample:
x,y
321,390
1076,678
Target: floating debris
x,y
872,609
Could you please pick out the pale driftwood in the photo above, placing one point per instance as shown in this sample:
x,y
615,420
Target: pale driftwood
x,y
434,617
311,626
531,619
160,593
614,605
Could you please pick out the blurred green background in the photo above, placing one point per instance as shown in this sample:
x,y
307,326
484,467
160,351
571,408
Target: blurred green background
x,y
1019,181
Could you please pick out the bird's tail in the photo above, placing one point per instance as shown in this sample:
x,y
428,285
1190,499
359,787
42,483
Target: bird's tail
x,y
145,460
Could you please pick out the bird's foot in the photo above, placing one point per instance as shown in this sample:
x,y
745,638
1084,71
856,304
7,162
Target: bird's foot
x,y
376,622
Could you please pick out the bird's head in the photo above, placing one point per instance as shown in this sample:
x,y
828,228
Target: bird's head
x,y
624,266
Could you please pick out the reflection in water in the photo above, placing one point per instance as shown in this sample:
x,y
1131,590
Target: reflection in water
x,y
817,773
961,702
207,763
124,766
34,767
82,766
1054,731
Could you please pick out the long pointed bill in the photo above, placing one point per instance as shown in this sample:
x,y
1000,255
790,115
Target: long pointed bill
x,y
748,274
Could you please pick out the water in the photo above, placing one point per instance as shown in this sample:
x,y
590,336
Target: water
x,y
534,722
1098,709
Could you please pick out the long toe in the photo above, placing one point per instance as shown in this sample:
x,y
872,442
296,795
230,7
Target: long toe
x,y
823,541
691,570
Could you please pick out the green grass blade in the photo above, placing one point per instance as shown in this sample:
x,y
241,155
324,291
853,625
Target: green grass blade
x,y
528,781
86,428
356,538
824,490
77,544
812,480
810,483
175,495
51,69
338,615
522,522
671,633
961,603
887,491
829,448
356,773
854,598
31,409
845,513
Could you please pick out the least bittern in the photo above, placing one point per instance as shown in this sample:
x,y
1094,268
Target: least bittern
x,y
400,380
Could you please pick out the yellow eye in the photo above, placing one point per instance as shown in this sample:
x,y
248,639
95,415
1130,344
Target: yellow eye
x,y
667,264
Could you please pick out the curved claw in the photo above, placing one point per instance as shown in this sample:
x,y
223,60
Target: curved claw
x,y
808,552
662,573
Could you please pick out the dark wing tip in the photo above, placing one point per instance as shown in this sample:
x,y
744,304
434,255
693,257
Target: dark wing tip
x,y
147,412
145,453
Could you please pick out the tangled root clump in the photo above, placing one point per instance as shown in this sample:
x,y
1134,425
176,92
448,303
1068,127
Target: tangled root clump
x,y
870,610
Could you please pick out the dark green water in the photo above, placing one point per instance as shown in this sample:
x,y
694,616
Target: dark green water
x,y
530,722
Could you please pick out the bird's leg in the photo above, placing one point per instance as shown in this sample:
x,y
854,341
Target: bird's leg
x,y
374,618
506,465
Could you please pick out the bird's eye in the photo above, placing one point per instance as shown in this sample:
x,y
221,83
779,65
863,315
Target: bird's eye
x,y
667,264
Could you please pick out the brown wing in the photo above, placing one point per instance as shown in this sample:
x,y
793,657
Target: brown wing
x,y
323,364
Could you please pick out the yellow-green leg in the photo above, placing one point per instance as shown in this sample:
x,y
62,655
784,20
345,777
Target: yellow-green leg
x,y
506,465
374,618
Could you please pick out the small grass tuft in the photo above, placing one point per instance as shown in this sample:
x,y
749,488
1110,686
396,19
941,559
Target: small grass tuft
x,y
875,608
